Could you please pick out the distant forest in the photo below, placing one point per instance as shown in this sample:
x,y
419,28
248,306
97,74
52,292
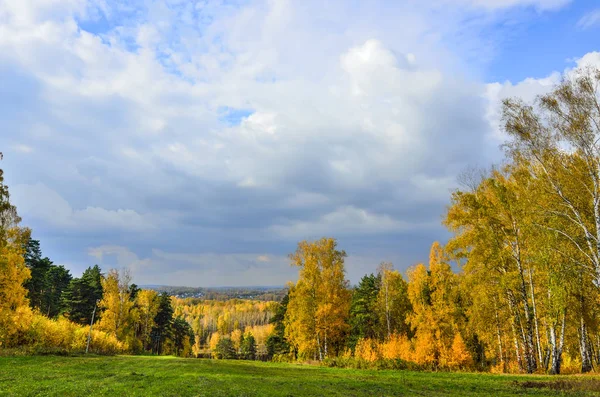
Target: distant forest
x,y
222,293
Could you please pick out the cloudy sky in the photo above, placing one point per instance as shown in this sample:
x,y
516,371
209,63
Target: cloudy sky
x,y
196,142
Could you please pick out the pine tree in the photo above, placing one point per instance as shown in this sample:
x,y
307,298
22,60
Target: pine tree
x,y
248,347
82,295
364,320
163,321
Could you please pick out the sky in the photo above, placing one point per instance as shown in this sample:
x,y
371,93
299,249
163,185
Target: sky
x,y
197,142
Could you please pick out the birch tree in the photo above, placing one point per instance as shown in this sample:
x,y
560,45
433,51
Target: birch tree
x,y
559,137
319,303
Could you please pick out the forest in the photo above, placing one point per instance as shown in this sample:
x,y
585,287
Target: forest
x,y
516,288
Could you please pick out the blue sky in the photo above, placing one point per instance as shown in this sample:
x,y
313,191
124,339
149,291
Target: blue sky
x,y
196,142
545,42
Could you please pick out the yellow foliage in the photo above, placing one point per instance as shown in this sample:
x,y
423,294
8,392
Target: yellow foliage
x,y
236,338
65,335
213,341
396,347
425,349
260,333
319,303
117,316
14,309
459,356
366,349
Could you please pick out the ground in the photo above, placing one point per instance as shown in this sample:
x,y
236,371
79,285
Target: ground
x,y
168,376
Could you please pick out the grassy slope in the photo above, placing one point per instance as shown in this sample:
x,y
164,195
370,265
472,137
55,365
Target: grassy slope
x,y
166,376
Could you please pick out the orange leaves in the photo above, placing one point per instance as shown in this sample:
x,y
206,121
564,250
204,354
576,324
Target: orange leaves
x,y
367,349
397,347
459,355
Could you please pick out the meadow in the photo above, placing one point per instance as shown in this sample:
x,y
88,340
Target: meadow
x,y
170,376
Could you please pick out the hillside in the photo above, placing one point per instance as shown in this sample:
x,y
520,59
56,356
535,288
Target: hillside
x,y
168,376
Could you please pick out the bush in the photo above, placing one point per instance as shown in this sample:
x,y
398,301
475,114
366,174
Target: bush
x,y
46,336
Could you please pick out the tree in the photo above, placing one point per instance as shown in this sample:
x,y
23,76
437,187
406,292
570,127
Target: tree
x,y
116,305
38,268
14,308
559,141
248,347
276,342
82,295
495,231
147,307
316,317
58,279
162,321
183,336
47,282
435,319
392,302
363,317
225,349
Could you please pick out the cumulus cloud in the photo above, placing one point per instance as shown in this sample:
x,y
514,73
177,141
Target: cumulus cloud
x,y
226,132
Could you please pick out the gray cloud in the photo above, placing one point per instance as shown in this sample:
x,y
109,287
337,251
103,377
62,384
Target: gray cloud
x,y
354,125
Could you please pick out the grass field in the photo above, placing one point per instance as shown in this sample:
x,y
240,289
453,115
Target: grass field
x,y
167,376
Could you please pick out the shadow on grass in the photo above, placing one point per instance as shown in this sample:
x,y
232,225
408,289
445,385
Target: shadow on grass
x,y
586,385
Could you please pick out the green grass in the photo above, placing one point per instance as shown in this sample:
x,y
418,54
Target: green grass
x,y
167,376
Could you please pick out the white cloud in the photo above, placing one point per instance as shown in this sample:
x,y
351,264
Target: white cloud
x,y
589,20
528,90
42,203
356,129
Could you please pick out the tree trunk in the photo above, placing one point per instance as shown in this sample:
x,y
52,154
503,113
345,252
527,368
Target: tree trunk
x,y
319,347
529,348
586,361
557,347
499,335
515,321
535,318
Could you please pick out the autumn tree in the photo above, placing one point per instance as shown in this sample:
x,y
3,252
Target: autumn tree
x,y
147,308
317,312
436,318
558,137
116,305
14,308
392,304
